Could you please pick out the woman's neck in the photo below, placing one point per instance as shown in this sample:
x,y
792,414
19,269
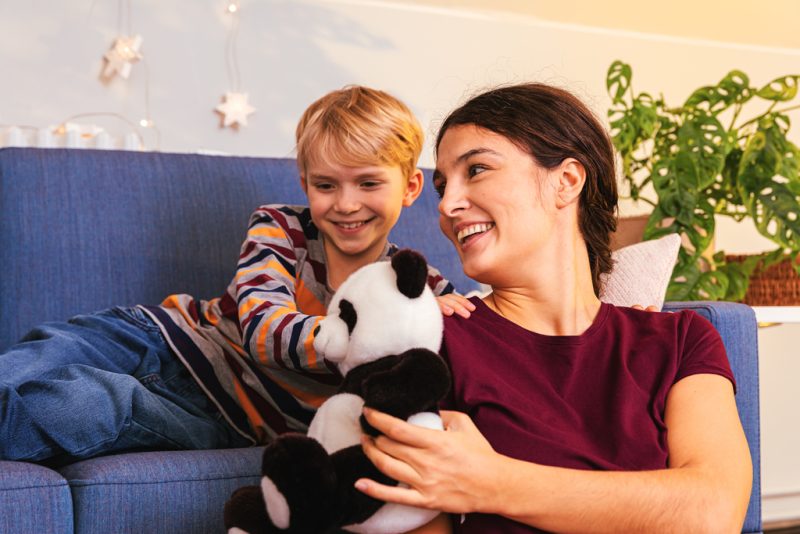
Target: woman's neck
x,y
567,315
551,297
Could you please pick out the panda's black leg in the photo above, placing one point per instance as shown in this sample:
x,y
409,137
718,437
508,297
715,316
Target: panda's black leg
x,y
299,485
351,464
246,512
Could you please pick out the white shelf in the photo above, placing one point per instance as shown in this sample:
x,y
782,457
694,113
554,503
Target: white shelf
x,y
777,314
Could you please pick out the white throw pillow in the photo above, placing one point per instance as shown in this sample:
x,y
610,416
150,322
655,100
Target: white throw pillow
x,y
641,272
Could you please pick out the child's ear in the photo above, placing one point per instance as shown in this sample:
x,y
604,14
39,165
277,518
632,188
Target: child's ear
x,y
571,179
413,187
304,184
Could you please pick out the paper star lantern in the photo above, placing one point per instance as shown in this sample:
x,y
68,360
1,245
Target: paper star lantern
x,y
123,54
235,109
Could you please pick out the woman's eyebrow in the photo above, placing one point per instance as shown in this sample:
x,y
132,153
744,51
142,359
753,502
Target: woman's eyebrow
x,y
465,156
476,151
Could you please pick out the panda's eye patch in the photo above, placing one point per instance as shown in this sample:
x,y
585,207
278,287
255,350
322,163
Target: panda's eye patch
x,y
348,314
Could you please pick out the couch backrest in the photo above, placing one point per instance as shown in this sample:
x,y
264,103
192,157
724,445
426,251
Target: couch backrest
x,y
82,230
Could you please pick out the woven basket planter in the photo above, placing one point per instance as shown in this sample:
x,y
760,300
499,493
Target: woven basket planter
x,y
778,285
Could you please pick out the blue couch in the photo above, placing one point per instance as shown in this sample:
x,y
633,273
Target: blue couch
x,y
81,230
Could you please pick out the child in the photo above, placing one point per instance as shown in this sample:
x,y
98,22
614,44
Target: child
x,y
241,368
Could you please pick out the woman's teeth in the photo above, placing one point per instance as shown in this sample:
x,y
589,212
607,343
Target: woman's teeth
x,y
464,233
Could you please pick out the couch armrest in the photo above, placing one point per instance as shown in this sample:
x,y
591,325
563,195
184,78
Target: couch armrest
x,y
736,324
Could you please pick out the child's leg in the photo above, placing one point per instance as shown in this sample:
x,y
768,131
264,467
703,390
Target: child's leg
x,y
100,383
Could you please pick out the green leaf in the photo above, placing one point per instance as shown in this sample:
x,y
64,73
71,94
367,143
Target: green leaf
x,y
618,80
706,141
734,88
738,274
780,89
771,199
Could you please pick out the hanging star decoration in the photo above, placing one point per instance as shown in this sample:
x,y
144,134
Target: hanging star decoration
x,y
235,109
122,55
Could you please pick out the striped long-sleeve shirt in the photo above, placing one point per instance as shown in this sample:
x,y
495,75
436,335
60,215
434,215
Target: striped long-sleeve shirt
x,y
252,350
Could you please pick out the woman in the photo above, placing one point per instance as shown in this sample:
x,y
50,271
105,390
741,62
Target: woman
x,y
572,415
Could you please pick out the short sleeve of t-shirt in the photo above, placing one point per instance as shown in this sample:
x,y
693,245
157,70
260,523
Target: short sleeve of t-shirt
x,y
703,350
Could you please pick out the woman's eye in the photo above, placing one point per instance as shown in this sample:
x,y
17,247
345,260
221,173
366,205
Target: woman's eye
x,y
438,186
476,169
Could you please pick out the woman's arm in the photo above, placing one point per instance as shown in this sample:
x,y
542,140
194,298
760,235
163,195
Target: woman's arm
x,y
705,489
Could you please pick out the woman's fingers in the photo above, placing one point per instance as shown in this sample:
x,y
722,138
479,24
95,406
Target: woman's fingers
x,y
396,494
391,462
400,430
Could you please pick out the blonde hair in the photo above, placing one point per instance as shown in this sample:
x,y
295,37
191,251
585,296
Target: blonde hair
x,y
359,126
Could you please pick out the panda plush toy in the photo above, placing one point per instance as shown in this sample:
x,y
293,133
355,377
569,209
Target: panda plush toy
x,y
383,331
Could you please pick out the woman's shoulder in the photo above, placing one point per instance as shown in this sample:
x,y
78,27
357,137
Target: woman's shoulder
x,y
683,323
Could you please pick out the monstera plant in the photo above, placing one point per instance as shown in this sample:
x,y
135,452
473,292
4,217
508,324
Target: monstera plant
x,y
724,151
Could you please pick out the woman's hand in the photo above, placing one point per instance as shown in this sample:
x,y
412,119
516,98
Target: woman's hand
x,y
458,304
650,308
432,463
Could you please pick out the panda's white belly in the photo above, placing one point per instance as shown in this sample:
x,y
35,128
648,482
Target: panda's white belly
x,y
336,423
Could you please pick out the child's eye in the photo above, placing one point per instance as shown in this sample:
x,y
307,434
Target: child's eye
x,y
370,184
323,186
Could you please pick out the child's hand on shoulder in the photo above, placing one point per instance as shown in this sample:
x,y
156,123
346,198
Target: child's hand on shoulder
x,y
458,304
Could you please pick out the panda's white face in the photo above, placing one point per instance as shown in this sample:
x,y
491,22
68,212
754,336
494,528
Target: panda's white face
x,y
369,318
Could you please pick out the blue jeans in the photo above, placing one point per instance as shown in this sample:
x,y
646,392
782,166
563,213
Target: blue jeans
x,y
102,383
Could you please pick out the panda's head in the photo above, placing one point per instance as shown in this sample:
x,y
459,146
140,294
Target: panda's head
x,y
384,308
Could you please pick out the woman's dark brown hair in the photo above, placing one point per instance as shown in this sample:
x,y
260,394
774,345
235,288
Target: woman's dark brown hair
x,y
551,125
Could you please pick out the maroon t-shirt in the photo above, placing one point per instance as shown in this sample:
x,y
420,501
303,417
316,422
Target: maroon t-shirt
x,y
594,401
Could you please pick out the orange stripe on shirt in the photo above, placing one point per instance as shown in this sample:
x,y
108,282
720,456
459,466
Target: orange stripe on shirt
x,y
264,328
308,345
267,231
307,302
244,401
172,301
273,265
312,399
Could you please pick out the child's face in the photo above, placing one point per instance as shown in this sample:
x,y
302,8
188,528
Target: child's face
x,y
356,207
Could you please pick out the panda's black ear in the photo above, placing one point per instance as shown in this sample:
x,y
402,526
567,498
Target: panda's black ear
x,y
412,272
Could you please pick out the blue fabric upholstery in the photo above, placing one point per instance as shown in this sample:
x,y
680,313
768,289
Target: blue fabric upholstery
x,y
82,230
159,491
737,326
33,499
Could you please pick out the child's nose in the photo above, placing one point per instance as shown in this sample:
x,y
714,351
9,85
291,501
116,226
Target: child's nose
x,y
347,201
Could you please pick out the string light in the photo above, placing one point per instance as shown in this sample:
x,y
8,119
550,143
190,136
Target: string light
x,y
124,52
234,107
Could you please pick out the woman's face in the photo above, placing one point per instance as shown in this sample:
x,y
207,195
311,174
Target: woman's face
x,y
497,203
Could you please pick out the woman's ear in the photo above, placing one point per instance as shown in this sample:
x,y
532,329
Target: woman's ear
x,y
413,187
571,179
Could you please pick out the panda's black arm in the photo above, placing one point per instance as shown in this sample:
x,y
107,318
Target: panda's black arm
x,y
356,378
417,381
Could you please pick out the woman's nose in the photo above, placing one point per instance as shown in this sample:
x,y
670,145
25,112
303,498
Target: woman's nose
x,y
453,200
